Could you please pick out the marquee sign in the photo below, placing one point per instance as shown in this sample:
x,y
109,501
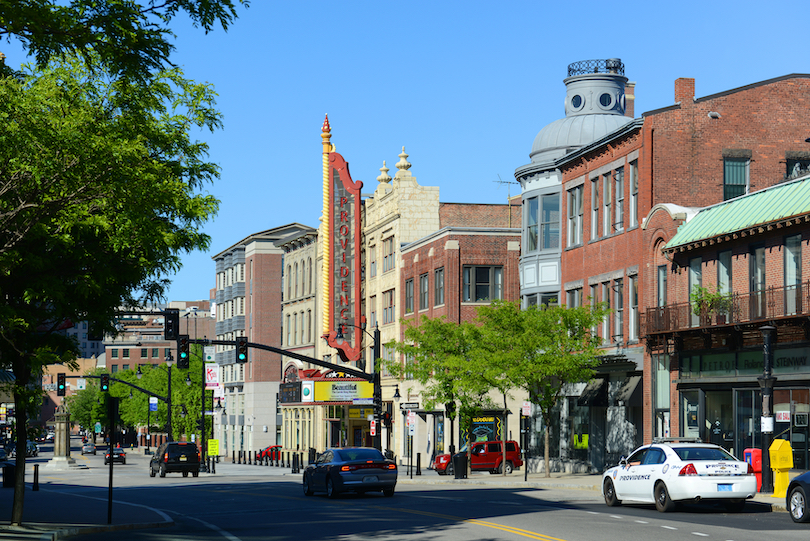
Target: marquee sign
x,y
341,268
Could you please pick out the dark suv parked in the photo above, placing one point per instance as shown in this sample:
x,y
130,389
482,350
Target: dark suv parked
x,y
173,457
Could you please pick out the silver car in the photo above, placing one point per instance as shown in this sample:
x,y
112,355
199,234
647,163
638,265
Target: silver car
x,y
89,448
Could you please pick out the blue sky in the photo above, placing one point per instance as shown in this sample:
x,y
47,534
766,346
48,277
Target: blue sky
x,y
465,87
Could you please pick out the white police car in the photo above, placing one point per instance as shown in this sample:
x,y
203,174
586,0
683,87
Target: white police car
x,y
679,470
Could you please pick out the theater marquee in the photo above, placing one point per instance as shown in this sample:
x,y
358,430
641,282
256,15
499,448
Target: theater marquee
x,y
341,268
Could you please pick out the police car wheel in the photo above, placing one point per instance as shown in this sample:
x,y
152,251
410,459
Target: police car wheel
x,y
663,502
610,494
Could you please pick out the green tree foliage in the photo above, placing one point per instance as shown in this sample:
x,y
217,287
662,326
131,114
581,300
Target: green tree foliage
x,y
124,37
101,190
542,349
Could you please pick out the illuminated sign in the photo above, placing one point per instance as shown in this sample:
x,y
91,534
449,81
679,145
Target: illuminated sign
x,y
341,268
342,391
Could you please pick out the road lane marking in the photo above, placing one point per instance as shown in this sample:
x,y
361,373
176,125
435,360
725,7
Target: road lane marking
x,y
641,522
700,534
669,527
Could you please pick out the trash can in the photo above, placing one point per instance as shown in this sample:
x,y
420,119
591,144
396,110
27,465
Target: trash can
x,y
754,457
781,463
460,465
9,472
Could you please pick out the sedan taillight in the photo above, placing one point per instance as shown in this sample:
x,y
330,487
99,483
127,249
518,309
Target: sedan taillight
x,y
750,470
689,469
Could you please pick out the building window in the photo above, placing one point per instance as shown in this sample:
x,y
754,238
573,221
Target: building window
x,y
595,208
695,280
482,284
735,177
594,299
309,276
388,306
438,287
289,331
618,307
574,298
724,272
372,311
607,199
294,329
309,326
289,282
661,296
409,296
758,282
114,353
606,320
295,280
388,254
124,367
793,273
634,312
155,353
619,179
423,292
114,369
531,225
634,193
575,216
797,167
372,266
144,353
125,353
550,222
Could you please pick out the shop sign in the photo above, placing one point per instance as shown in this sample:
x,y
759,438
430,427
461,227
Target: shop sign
x,y
342,391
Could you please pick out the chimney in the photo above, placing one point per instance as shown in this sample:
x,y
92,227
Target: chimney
x,y
630,99
684,90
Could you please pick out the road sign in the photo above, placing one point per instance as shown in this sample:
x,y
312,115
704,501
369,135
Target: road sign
x,y
97,428
213,447
409,406
527,409
373,428
153,403
81,384
208,353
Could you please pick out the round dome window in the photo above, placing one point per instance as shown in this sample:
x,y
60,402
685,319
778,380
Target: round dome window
x,y
576,102
606,100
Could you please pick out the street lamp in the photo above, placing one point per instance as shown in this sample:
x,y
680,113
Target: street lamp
x,y
376,377
766,383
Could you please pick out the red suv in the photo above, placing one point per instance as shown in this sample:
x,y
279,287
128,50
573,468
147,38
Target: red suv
x,y
485,456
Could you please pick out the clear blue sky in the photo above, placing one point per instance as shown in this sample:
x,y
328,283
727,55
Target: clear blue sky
x,y
464,86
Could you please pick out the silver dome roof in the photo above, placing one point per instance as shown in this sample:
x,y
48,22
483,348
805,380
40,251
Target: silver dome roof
x,y
571,133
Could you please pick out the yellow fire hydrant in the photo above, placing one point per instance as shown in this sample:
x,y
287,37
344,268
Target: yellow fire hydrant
x,y
781,455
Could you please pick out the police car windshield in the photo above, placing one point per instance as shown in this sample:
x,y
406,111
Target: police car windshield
x,y
702,453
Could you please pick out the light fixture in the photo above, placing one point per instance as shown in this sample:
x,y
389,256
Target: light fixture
x,y
339,339
188,380
183,412
139,374
169,360
397,396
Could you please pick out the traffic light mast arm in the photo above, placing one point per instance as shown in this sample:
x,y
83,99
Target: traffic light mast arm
x,y
141,389
312,360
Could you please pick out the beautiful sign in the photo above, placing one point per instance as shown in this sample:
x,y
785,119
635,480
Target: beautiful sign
x,y
342,391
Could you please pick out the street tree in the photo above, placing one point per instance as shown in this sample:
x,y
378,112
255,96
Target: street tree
x,y
543,349
125,152
444,358
129,39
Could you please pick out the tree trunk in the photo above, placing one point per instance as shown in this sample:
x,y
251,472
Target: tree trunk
x,y
19,474
546,444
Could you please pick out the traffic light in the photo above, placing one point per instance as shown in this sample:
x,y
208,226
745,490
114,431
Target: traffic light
x,y
60,385
105,383
182,351
171,326
386,419
242,349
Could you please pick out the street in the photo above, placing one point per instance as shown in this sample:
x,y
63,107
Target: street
x,y
256,502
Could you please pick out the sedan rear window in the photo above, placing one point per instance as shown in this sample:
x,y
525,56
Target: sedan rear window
x,y
702,453
360,454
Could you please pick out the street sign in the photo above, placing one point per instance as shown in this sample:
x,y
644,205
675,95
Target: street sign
x,y
363,401
213,447
97,428
527,409
373,428
81,384
411,423
409,406
153,403
208,353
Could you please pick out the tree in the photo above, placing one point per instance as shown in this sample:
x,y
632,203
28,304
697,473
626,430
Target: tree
x,y
442,356
118,159
542,349
124,38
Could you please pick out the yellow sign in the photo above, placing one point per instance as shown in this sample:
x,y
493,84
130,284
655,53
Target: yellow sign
x,y
213,447
342,390
360,412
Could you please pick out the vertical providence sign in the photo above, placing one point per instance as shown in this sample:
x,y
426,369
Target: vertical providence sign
x,y
341,252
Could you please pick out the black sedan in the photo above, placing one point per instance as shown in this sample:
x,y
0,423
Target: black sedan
x,y
118,456
351,469
797,493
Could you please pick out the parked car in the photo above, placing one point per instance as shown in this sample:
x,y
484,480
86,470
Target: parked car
x,y
350,469
175,457
118,455
89,448
31,449
269,452
667,472
485,456
796,499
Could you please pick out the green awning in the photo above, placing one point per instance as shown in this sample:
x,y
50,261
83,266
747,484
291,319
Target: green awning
x,y
781,203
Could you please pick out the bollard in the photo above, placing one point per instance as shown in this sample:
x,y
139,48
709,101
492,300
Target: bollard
x,y
266,460
233,460
248,453
208,464
214,465
288,459
300,461
278,454
418,463
36,477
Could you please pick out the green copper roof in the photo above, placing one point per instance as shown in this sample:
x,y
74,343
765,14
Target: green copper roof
x,y
780,202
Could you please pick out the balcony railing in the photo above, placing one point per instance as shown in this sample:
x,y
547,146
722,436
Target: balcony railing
x,y
763,305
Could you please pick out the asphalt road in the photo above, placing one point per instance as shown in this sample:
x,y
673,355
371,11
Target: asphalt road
x,y
249,507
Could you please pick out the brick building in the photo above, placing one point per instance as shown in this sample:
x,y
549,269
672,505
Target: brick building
x,y
627,193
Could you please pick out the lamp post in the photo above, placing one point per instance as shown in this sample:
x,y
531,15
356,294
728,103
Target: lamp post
x,y
766,384
375,377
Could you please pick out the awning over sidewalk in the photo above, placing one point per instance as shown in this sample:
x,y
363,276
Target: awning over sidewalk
x,y
595,394
630,393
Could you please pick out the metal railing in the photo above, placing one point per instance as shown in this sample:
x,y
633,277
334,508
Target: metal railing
x,y
763,305
611,65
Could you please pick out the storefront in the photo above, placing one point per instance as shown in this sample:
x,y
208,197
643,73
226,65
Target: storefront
x,y
720,399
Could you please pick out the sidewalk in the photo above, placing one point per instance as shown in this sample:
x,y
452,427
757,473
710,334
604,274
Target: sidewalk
x,y
46,515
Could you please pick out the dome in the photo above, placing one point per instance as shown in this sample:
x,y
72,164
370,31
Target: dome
x,y
573,132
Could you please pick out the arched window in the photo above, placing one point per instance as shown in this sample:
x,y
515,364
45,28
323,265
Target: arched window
x,y
310,276
295,278
289,282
